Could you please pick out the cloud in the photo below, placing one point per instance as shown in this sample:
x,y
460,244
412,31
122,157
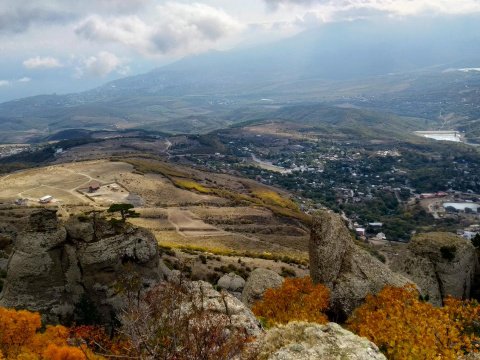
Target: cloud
x,y
275,4
102,65
17,16
24,79
4,82
310,19
17,20
42,62
178,29
365,8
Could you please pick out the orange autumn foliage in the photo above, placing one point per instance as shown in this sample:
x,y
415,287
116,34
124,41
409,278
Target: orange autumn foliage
x,y
404,327
20,339
296,300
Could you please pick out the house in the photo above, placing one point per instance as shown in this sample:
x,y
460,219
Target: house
x,y
469,234
376,224
94,187
360,231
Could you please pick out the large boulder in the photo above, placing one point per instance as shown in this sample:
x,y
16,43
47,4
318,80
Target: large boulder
x,y
259,281
52,265
224,303
441,264
348,271
311,341
232,283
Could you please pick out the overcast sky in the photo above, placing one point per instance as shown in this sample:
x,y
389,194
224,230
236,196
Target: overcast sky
x,y
61,46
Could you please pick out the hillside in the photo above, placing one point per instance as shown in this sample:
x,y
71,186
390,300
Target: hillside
x,y
368,65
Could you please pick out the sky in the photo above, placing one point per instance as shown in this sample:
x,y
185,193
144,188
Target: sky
x,y
62,46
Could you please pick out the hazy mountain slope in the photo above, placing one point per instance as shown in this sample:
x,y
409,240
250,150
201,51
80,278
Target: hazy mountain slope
x,y
340,62
353,123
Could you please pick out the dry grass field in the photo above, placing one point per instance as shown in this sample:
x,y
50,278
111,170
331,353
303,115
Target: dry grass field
x,y
235,217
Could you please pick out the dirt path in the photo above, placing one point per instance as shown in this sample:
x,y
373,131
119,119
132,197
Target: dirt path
x,y
188,224
166,149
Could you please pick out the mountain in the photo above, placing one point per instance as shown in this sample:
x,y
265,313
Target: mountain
x,y
368,64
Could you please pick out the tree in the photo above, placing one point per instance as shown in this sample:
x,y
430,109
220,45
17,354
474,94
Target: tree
x,y
124,210
298,299
404,327
476,241
85,312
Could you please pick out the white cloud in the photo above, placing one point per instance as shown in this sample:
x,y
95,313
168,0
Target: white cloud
x,y
178,29
102,65
24,79
17,16
42,62
385,7
4,82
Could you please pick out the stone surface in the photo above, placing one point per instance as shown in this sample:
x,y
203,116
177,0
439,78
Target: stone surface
x,y
422,261
347,270
224,303
259,281
231,283
310,341
51,265
3,263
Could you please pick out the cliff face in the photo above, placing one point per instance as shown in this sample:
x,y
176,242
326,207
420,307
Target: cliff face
x,y
51,265
348,271
441,264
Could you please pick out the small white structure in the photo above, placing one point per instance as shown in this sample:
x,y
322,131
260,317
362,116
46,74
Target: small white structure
x,y
469,234
360,231
45,200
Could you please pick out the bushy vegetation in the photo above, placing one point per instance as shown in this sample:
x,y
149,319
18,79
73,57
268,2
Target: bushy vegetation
x,y
154,166
298,299
270,197
405,327
189,185
448,252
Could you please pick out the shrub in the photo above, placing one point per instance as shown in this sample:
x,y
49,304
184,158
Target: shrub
x,y
20,338
85,312
298,299
448,252
406,327
171,323
286,272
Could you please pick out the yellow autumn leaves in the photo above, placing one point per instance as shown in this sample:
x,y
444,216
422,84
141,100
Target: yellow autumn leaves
x,y
396,320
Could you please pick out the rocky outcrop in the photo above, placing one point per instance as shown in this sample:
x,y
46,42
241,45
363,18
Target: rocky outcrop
x,y
310,341
347,270
223,303
232,283
259,281
441,264
52,265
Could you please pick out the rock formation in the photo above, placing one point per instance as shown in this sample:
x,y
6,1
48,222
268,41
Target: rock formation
x,y
347,270
441,264
52,265
233,284
259,281
310,341
224,303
